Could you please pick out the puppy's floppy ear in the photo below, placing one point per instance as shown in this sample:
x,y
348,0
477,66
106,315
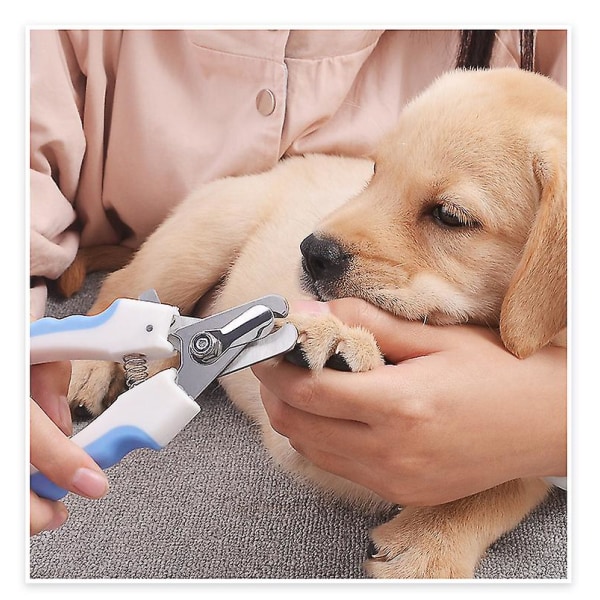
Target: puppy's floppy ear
x,y
535,306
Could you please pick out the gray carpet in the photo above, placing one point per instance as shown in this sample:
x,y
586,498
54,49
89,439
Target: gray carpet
x,y
212,505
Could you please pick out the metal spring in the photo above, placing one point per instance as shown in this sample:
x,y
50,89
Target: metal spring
x,y
136,369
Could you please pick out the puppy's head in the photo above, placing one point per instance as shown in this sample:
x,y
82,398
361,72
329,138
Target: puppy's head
x,y
464,219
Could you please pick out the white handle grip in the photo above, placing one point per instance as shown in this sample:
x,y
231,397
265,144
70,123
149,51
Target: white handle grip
x,y
149,415
126,326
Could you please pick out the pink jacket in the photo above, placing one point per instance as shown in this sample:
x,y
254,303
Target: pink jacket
x,y
125,123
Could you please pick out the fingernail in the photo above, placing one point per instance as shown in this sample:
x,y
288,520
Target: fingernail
x,y
311,307
87,482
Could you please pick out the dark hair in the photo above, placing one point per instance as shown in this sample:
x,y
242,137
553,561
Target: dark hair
x,y
476,45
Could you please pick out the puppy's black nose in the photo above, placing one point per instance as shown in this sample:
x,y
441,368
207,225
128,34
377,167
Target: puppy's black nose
x,y
324,258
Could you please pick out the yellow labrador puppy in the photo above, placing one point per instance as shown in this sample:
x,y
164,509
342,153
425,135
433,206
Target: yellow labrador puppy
x,y
461,217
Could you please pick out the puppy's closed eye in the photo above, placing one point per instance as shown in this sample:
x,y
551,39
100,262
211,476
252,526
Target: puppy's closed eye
x,y
451,215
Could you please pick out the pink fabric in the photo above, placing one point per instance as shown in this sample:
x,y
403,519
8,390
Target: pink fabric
x,y
125,123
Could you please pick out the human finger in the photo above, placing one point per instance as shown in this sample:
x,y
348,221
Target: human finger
x,y
329,444
359,397
340,436
49,384
346,468
62,461
45,514
392,487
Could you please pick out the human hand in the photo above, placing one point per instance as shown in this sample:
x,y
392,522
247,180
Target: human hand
x,y
454,414
51,451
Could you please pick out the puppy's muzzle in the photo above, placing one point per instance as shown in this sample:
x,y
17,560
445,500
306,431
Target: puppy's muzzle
x,y
323,259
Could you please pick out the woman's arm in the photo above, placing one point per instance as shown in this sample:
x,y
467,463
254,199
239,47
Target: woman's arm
x,y
57,147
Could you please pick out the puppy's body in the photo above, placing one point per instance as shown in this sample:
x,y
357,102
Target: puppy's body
x,y
463,221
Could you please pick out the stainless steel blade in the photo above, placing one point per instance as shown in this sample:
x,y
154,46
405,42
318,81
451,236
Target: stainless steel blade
x,y
278,342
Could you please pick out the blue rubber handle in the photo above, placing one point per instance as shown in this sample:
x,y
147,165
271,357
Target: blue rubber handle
x,y
49,325
107,450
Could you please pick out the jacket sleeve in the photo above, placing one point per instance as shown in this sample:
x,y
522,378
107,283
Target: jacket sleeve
x,y
551,54
57,147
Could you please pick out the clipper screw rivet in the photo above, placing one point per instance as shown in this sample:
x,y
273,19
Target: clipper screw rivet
x,y
205,347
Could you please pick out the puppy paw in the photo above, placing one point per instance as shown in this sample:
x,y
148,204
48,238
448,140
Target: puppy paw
x,y
417,545
324,341
96,384
94,387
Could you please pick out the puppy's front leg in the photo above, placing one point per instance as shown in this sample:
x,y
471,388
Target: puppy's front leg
x,y
182,260
447,541
96,384
193,248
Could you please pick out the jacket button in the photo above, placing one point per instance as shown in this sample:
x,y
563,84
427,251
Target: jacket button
x,y
265,102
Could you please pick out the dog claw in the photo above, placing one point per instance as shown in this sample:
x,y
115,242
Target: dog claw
x,y
81,413
374,553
